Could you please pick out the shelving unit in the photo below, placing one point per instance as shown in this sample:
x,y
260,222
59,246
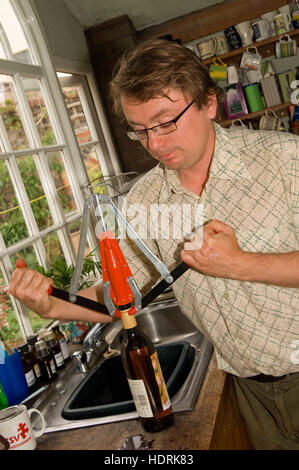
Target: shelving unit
x,y
266,48
281,110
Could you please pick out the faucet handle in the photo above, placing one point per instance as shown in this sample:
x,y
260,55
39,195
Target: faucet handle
x,y
92,336
80,359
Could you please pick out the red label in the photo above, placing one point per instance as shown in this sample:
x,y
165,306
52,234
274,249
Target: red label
x,y
22,432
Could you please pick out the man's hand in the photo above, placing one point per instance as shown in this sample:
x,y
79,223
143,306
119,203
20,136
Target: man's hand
x,y
31,288
219,255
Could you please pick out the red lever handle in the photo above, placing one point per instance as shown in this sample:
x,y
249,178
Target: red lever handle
x,y
115,270
21,263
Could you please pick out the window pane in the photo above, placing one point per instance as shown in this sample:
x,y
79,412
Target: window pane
x,y
61,181
75,228
14,32
53,248
9,326
35,192
36,321
93,169
39,111
91,274
10,114
57,268
12,223
76,113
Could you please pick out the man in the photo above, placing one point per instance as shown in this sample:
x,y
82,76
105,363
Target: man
x,y
242,288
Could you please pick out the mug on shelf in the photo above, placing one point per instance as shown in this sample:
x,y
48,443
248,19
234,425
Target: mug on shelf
x,y
269,16
251,60
237,123
16,427
282,23
261,29
270,121
207,48
253,97
218,70
233,38
192,48
285,9
285,47
232,74
246,32
221,45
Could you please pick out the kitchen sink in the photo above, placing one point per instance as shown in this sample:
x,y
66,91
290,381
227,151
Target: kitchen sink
x,y
102,394
106,391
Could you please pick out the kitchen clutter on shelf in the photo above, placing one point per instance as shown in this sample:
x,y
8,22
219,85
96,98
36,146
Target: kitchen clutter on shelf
x,y
257,88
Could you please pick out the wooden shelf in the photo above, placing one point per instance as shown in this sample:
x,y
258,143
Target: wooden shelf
x,y
266,48
280,109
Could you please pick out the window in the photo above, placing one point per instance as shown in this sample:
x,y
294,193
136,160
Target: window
x,y
50,151
80,109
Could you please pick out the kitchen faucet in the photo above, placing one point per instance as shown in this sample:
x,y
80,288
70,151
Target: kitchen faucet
x,y
94,346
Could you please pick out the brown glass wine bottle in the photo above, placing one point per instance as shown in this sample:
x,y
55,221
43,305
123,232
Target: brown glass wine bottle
x,y
145,377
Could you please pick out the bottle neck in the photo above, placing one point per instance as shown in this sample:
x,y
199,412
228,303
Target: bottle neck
x,y
129,321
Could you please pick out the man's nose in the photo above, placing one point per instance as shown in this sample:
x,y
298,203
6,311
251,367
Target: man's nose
x,y
153,141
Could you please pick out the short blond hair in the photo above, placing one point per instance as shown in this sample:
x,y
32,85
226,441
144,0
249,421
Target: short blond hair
x,y
152,67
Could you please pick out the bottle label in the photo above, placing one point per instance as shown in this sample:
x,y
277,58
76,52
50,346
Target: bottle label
x,y
37,370
140,398
30,379
52,365
59,359
160,381
64,348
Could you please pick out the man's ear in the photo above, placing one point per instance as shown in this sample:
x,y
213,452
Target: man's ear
x,y
212,106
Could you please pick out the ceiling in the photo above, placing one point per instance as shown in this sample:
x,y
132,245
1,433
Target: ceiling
x,y
143,13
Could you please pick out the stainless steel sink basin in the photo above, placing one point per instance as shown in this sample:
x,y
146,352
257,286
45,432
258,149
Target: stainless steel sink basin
x,y
166,325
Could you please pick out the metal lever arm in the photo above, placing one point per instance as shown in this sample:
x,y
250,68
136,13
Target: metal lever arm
x,y
159,265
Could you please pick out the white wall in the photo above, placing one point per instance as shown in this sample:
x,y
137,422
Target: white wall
x,y
65,36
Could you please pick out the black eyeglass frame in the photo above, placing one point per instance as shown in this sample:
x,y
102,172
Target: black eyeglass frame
x,y
174,121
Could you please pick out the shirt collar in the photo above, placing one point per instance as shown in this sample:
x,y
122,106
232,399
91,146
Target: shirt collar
x,y
229,154
227,162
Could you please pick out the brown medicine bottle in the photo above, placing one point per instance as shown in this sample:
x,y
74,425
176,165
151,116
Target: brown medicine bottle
x,y
46,362
62,342
54,348
31,340
28,366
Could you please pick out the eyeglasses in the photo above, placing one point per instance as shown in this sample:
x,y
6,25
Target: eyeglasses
x,y
160,129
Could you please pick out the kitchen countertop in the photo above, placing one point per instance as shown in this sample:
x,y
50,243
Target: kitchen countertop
x,y
191,430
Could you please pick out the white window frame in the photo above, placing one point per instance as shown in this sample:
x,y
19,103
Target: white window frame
x,y
43,69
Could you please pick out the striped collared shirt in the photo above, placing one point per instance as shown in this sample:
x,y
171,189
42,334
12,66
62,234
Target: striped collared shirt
x,y
253,186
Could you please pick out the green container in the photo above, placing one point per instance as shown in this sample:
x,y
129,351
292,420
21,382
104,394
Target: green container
x,y
253,97
3,399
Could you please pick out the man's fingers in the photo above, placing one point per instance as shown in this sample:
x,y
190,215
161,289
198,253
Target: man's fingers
x,y
217,226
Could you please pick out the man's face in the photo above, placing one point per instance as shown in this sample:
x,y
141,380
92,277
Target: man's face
x,y
192,141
